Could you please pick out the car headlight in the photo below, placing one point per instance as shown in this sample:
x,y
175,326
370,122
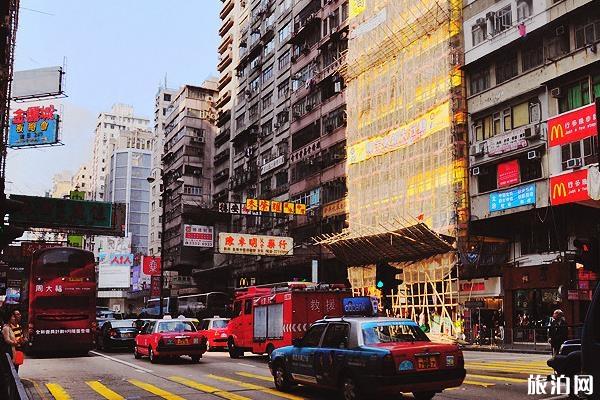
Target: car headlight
x,y
196,340
450,361
406,365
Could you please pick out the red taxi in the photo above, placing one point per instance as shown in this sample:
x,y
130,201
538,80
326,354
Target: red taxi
x,y
169,338
215,331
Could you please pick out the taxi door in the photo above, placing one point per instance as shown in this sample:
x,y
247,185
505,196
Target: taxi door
x,y
331,356
302,366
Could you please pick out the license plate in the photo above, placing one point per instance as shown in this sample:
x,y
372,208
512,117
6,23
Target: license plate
x,y
427,362
181,341
127,335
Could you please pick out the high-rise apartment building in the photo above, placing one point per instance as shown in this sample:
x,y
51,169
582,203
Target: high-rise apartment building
x,y
162,102
130,163
82,180
108,125
61,185
533,74
187,173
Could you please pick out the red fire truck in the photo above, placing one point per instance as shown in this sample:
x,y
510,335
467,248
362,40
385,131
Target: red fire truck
x,y
271,316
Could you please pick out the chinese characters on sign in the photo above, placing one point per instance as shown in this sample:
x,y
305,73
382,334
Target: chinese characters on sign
x,y
256,207
33,127
569,188
516,197
151,265
256,245
339,207
114,270
572,126
198,236
508,173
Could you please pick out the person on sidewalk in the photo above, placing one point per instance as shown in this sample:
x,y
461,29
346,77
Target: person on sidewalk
x,y
557,331
10,341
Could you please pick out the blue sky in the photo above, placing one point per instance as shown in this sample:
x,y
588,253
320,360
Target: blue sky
x,y
116,51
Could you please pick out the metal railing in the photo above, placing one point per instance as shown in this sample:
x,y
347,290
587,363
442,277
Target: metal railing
x,y
11,388
535,338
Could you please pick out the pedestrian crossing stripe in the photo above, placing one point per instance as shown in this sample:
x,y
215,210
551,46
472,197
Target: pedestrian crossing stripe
x,y
57,391
155,390
207,389
477,383
252,386
255,376
497,378
509,368
104,391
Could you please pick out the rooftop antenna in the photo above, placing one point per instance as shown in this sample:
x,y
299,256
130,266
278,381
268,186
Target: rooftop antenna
x,y
166,80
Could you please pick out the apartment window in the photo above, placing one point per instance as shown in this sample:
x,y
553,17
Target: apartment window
x,y
478,33
532,56
506,68
255,62
345,11
267,101
480,81
570,151
575,95
283,89
269,47
266,128
166,97
255,84
530,169
487,178
267,73
587,33
586,150
239,121
520,114
284,59
192,190
253,111
283,117
503,19
285,32
523,9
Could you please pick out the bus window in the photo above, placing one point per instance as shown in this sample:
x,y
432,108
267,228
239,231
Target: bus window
x,y
248,307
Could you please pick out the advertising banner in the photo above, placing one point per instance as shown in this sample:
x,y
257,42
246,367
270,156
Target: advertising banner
x,y
135,278
114,270
112,244
515,197
27,248
572,126
508,174
151,265
198,236
33,127
240,243
155,287
481,287
569,188
339,207
13,295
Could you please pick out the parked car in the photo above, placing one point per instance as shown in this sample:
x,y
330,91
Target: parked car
x,y
169,338
116,334
215,331
367,356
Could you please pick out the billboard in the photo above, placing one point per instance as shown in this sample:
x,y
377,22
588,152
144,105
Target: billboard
x,y
37,83
256,245
35,126
114,270
515,197
572,126
151,265
112,244
198,236
569,188
508,174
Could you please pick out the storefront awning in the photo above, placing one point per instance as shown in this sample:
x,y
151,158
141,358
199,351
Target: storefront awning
x,y
407,243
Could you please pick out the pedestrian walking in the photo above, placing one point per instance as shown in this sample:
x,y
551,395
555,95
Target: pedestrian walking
x,y
557,331
10,341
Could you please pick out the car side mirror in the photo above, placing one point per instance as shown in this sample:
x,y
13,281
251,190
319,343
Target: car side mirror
x,y
297,342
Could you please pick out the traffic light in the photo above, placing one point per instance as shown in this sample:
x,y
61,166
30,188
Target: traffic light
x,y
385,277
8,233
586,253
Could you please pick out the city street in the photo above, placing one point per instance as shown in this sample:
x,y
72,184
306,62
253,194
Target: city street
x,y
120,376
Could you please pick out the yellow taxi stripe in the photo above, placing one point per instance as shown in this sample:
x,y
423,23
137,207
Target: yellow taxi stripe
x,y
497,378
57,391
155,390
104,391
261,377
207,389
252,386
477,383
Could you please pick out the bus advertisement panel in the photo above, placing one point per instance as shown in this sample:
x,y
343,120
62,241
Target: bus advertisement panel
x,y
62,300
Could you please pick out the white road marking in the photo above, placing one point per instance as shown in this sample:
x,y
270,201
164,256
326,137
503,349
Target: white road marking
x,y
136,367
247,365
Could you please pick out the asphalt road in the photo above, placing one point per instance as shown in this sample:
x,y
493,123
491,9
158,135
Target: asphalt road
x,y
118,376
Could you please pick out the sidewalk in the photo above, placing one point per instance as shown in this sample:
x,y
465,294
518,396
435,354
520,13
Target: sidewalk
x,y
511,348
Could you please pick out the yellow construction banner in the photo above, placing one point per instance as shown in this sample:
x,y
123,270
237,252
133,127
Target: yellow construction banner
x,y
357,7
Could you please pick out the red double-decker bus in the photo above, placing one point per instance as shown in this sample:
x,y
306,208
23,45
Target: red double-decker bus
x,y
62,301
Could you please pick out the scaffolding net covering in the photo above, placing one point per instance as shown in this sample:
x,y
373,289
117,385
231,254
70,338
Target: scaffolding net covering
x,y
406,157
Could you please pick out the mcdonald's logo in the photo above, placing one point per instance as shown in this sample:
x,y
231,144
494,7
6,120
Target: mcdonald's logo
x,y
557,132
559,190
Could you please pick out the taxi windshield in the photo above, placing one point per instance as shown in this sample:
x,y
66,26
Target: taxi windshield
x,y
176,326
220,323
392,332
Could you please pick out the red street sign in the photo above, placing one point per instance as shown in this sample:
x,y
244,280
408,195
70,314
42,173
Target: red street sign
x,y
155,286
508,174
569,188
572,126
151,265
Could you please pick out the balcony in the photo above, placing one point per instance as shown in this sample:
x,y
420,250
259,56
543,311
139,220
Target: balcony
x,y
222,137
221,157
302,25
330,69
227,25
247,176
225,61
227,8
221,176
506,144
221,195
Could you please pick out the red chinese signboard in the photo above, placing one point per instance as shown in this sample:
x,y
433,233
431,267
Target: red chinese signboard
x,y
508,174
569,188
259,245
572,126
151,265
155,286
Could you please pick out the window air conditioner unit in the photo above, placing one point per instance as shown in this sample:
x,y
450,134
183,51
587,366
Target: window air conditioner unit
x,y
556,92
574,163
560,30
531,132
477,150
337,87
534,155
480,21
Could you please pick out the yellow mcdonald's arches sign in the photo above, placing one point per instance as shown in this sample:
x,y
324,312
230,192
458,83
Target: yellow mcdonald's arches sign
x,y
557,132
559,190
357,7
